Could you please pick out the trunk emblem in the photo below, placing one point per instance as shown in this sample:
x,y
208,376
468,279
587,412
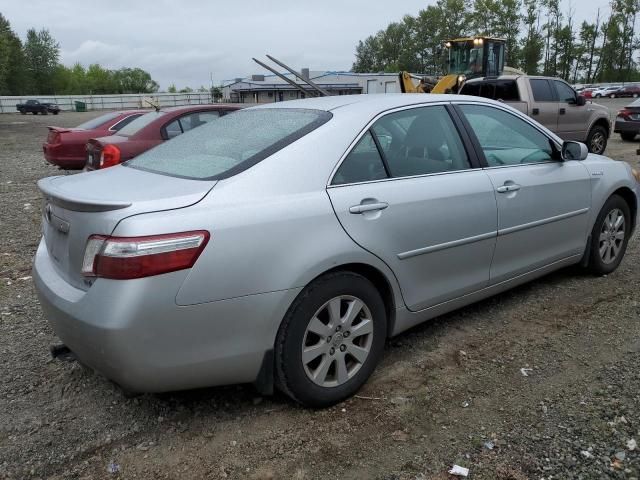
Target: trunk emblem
x,y
58,223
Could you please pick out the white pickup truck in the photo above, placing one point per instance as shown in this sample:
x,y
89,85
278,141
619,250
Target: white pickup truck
x,y
550,101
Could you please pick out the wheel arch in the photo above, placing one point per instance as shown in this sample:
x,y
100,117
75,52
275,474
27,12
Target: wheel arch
x,y
628,196
600,122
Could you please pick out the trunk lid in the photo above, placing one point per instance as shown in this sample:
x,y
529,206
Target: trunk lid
x,y
78,206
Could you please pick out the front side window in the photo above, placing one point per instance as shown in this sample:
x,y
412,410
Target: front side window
x,y
506,139
231,144
541,89
565,92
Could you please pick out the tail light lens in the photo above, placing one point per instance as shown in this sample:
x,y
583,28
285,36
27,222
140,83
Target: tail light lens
x,y
124,258
624,113
109,156
53,137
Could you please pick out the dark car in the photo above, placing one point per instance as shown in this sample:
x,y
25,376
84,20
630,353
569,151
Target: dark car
x,y
66,147
150,130
628,121
36,107
629,91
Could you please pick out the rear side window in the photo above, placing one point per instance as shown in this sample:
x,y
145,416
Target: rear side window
x,y
231,144
363,164
505,90
420,141
542,90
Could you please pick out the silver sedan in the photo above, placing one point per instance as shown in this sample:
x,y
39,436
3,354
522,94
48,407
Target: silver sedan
x,y
283,244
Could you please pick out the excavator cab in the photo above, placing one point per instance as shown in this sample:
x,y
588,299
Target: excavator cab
x,y
467,58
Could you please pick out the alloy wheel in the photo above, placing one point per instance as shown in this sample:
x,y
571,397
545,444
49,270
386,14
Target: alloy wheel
x,y
597,143
337,341
612,235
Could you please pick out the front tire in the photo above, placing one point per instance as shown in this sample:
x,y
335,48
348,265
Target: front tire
x,y
613,95
609,236
330,340
597,140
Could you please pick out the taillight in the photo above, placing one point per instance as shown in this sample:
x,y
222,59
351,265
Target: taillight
x,y
54,137
109,156
124,258
624,113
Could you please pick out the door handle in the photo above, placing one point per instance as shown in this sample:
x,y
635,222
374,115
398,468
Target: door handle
x,y
563,111
514,187
368,207
535,111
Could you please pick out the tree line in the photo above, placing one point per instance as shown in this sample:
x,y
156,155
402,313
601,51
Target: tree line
x,y
32,67
541,39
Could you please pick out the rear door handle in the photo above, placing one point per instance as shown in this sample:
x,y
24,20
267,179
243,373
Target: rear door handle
x,y
514,187
535,111
368,207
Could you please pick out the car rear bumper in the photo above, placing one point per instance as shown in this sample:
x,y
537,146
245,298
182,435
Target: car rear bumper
x,y
56,155
626,126
142,340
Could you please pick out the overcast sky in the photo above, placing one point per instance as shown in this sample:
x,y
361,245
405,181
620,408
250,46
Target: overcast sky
x,y
186,41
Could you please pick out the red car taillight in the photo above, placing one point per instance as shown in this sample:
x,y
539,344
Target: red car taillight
x,y
624,113
54,137
124,258
110,156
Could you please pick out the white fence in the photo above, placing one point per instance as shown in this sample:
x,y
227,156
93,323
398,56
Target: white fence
x,y
110,102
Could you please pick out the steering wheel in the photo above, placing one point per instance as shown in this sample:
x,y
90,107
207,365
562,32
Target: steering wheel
x,y
491,158
528,157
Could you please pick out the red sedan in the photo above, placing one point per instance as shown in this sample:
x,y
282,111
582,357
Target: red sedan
x,y
150,130
66,147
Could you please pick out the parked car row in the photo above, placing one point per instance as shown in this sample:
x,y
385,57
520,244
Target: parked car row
x,y
283,244
612,91
115,137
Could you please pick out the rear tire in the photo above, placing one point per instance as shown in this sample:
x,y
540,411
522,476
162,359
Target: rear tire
x,y
613,95
597,140
635,95
628,136
609,236
330,340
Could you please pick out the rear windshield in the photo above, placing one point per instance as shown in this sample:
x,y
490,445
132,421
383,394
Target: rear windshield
x,y
139,123
96,122
230,145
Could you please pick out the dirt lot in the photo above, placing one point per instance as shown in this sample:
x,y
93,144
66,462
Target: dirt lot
x,y
448,392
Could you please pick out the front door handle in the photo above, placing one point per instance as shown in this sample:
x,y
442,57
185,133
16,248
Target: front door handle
x,y
563,111
368,207
513,187
535,111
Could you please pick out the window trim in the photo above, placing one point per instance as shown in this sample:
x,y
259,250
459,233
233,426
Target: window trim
x,y
112,127
476,142
560,100
474,161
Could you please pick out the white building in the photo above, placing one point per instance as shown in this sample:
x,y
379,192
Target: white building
x,y
271,88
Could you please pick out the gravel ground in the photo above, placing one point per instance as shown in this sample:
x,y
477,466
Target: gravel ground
x,y
448,392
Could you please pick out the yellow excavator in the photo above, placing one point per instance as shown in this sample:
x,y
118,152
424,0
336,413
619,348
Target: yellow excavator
x,y
468,57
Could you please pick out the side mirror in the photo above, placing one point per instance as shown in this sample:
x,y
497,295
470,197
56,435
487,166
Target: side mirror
x,y
580,101
574,151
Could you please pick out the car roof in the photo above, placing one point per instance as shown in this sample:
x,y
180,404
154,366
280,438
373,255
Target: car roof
x,y
209,106
376,101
